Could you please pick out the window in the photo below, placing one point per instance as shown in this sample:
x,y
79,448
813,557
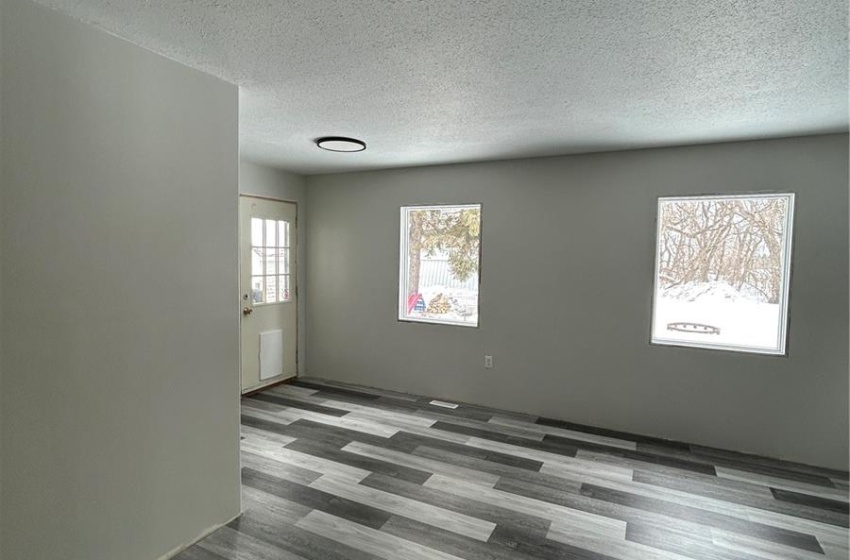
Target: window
x,y
270,261
721,272
440,253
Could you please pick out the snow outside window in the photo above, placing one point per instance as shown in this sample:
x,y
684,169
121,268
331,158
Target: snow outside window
x,y
439,264
721,272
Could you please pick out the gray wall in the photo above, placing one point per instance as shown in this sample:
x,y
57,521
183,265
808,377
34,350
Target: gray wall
x,y
566,288
262,180
120,307
1,278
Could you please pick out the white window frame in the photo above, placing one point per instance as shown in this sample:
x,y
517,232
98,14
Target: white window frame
x,y
782,342
280,263
403,265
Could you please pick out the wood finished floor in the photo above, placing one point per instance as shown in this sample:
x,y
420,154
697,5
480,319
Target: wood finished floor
x,y
334,472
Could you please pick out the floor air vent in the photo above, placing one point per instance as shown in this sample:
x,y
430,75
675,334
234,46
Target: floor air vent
x,y
444,404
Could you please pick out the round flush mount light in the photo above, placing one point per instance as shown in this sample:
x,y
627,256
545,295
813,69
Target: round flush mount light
x,y
340,144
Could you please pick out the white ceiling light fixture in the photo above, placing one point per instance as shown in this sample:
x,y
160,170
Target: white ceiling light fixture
x,y
341,144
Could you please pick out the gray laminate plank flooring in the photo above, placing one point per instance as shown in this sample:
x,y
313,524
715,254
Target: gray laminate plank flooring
x,y
333,471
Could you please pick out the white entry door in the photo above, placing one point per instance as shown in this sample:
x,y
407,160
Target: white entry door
x,y
268,291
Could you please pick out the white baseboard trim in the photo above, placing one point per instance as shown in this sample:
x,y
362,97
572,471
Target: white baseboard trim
x,y
269,383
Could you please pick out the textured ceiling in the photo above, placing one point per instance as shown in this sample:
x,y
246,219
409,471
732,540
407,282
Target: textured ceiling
x,y
439,81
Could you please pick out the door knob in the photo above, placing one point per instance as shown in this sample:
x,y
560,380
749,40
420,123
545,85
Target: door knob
x,y
247,311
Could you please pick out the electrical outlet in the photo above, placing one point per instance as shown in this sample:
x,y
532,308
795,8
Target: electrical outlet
x,y
488,362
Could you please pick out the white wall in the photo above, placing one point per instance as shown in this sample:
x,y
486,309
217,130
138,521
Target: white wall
x,y
265,181
566,287
120,299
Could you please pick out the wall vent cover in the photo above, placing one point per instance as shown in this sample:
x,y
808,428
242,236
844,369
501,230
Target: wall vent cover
x,y
444,404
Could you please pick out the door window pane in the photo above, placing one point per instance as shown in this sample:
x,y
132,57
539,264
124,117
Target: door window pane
x,y
256,232
271,233
284,261
270,264
283,285
257,289
283,231
257,261
271,288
